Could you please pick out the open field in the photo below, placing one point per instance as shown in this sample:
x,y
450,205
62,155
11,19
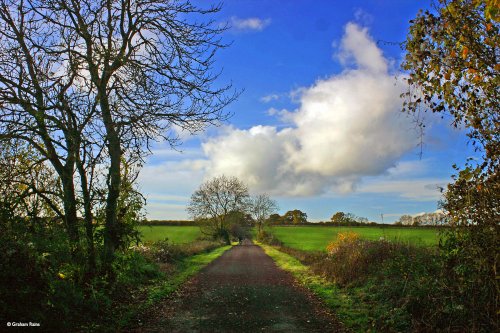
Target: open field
x,y
176,234
315,238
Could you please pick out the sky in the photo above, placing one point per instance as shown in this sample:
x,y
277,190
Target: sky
x,y
318,125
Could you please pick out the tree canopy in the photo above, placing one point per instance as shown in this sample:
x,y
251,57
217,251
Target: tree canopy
x,y
215,200
453,63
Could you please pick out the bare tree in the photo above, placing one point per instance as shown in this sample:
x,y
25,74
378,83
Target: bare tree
x,y
261,207
89,82
214,201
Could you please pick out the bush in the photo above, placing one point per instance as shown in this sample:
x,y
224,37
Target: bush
x,y
408,288
167,252
351,260
133,269
23,284
268,238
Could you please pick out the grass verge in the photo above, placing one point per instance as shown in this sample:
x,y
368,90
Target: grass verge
x,y
350,311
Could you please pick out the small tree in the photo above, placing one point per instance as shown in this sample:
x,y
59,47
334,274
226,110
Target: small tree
x,y
338,218
213,202
261,207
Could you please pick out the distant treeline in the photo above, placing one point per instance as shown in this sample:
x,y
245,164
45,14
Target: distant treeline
x,y
362,224
168,222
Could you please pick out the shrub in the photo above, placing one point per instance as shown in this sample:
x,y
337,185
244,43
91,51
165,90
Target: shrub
x,y
268,238
23,284
350,259
346,239
167,252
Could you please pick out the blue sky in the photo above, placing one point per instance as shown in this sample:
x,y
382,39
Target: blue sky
x,y
318,125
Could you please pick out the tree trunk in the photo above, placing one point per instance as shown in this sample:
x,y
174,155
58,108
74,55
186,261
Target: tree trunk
x,y
89,218
111,237
70,211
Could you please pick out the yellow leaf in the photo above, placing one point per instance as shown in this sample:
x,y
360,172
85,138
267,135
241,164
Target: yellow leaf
x,y
465,52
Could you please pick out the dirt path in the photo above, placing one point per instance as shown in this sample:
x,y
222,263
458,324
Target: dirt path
x,y
242,291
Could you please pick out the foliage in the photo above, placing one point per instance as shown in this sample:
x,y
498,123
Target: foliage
x,y
343,239
341,218
274,219
269,238
24,286
295,217
165,251
74,129
213,203
350,259
40,280
453,63
28,187
452,59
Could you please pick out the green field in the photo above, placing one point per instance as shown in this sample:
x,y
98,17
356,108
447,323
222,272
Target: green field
x,y
176,234
312,238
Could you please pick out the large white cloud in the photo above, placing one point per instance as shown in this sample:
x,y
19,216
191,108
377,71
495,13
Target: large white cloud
x,y
346,126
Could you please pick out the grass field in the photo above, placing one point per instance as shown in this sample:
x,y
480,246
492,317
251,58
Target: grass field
x,y
317,238
176,234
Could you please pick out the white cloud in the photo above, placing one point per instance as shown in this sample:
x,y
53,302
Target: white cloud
x,y
360,49
270,98
347,126
249,24
422,190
